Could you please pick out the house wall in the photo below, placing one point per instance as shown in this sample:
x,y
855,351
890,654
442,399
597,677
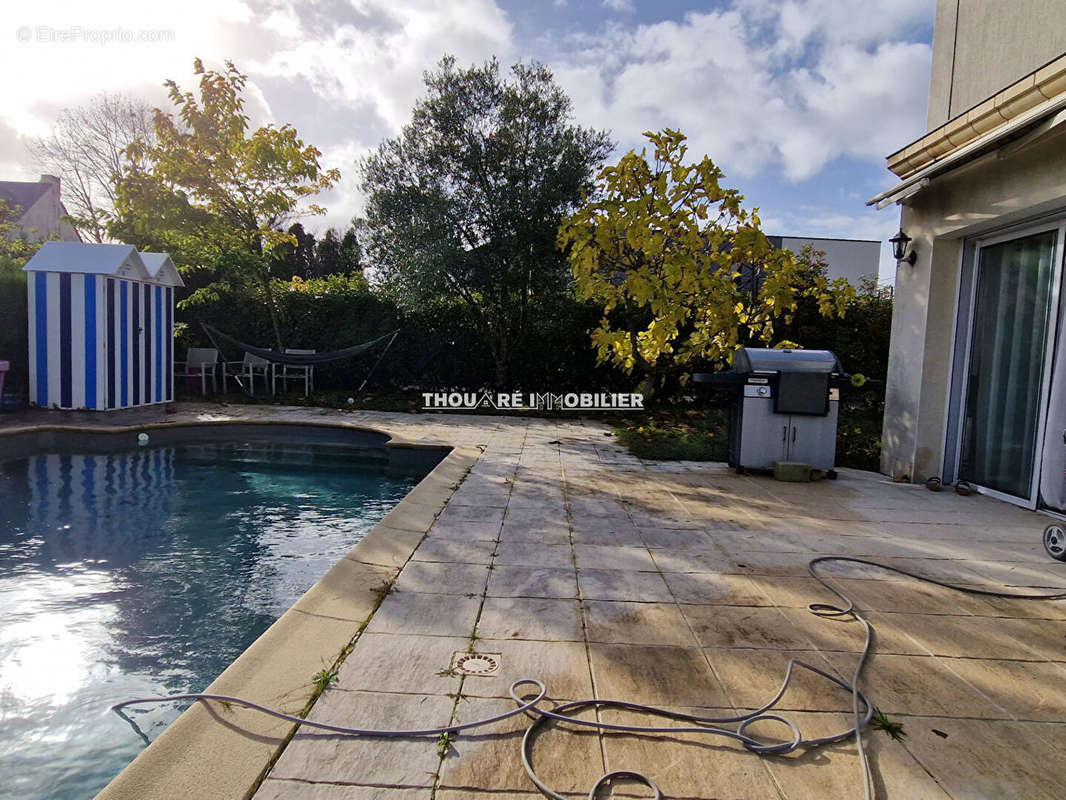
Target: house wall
x,y
42,221
982,46
991,193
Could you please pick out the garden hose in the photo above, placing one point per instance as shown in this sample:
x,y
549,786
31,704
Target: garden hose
x,y
862,708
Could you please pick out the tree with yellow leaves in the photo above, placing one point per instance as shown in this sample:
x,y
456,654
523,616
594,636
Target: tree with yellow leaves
x,y
684,272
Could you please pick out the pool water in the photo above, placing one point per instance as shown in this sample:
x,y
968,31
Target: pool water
x,y
148,572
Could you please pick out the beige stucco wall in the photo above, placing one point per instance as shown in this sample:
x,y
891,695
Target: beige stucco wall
x,y
986,195
44,219
982,46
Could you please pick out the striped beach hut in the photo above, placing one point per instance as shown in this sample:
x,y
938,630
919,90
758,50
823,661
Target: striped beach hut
x,y
101,326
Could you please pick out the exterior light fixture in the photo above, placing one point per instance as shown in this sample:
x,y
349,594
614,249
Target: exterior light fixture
x,y
899,248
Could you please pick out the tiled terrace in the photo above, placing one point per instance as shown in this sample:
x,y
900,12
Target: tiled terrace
x,y
686,586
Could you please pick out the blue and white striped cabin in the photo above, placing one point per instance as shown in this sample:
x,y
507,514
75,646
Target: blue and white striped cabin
x,y
101,326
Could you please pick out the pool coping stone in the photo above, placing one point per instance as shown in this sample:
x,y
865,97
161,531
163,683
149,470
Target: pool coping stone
x,y
196,756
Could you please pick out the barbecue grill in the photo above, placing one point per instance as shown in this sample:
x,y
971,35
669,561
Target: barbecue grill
x,y
785,409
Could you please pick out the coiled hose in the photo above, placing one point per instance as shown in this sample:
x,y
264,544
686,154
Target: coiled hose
x,y
862,708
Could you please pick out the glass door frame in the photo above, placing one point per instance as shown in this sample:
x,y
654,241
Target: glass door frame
x,y
1054,323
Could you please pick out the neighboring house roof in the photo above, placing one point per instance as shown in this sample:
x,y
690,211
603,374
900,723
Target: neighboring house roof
x,y
162,269
40,211
22,194
119,260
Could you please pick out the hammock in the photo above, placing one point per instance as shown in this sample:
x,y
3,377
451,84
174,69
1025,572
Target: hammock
x,y
297,359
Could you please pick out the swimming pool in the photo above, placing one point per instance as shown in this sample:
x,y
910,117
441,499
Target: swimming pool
x,y
147,572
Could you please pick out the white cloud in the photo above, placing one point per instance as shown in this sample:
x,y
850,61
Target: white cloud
x,y
762,86
620,6
359,61
766,87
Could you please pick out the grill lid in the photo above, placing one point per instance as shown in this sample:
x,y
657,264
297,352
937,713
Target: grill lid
x,y
756,359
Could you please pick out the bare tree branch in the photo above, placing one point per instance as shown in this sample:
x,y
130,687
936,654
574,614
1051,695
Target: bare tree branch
x,y
86,150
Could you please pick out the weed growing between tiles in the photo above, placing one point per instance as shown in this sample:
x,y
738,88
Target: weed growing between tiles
x,y
864,712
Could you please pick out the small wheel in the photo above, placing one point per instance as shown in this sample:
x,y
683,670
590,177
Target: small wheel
x,y
741,471
831,474
1055,542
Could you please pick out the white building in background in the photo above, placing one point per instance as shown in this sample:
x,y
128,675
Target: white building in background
x,y
854,259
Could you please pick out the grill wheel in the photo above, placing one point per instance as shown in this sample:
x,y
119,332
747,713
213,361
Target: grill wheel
x,y
1055,542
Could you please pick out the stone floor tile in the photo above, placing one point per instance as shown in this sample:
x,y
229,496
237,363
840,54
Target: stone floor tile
x,y
833,770
539,533
455,551
619,532
535,517
714,589
737,626
302,790
384,762
685,765
752,677
530,554
912,597
987,759
524,499
654,675
464,794
984,637
792,592
563,667
703,559
615,584
459,515
1019,609
595,556
465,530
567,760
530,618
768,562
892,632
890,680
1028,690
636,623
509,581
386,662
428,578
482,494
674,539
427,614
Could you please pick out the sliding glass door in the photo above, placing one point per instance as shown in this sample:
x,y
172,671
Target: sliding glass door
x,y
1014,309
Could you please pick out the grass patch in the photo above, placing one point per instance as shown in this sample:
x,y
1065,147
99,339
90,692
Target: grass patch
x,y
323,678
692,435
890,727
702,434
444,743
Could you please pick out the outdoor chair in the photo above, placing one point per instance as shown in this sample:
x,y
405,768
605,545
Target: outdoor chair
x,y
249,368
201,362
298,372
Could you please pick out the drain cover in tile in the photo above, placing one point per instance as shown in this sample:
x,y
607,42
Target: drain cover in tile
x,y
476,663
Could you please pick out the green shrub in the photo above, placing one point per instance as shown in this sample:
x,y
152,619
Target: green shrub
x,y
14,345
438,346
695,435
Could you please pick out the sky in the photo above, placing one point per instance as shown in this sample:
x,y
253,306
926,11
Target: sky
x,y
798,101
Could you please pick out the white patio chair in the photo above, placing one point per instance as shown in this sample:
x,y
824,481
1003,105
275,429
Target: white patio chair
x,y
299,372
249,367
200,362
